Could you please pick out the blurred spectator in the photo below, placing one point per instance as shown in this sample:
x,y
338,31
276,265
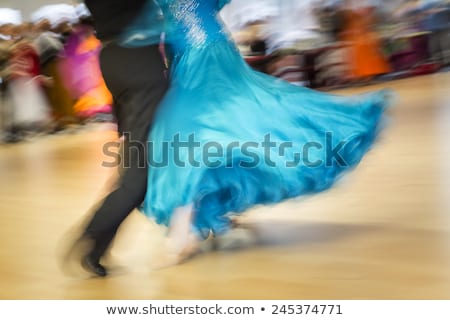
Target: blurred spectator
x,y
25,96
82,75
60,17
296,26
437,22
365,55
246,19
23,105
49,21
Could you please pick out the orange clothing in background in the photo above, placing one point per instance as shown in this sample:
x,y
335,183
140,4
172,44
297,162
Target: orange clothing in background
x,y
82,74
365,57
97,99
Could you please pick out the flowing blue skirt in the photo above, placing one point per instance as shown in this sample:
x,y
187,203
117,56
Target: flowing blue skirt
x,y
226,138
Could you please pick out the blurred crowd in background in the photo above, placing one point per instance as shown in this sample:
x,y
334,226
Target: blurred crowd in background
x,y
51,79
328,43
50,73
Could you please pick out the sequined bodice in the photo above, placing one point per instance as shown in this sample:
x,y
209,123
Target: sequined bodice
x,y
192,23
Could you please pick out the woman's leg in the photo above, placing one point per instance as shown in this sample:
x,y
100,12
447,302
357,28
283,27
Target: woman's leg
x,y
182,242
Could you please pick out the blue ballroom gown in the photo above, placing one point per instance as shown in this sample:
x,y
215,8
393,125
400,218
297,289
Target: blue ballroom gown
x,y
226,138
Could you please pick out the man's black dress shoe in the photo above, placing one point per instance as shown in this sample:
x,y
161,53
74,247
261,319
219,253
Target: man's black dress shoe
x,y
93,267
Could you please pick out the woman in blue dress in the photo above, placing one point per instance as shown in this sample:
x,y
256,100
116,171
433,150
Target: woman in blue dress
x,y
227,138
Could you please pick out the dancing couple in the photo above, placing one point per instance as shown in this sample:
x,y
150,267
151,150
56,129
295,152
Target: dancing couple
x,y
212,96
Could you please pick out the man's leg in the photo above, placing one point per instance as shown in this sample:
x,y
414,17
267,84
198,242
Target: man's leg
x,y
135,78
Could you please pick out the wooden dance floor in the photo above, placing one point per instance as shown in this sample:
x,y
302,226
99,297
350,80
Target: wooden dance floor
x,y
382,233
